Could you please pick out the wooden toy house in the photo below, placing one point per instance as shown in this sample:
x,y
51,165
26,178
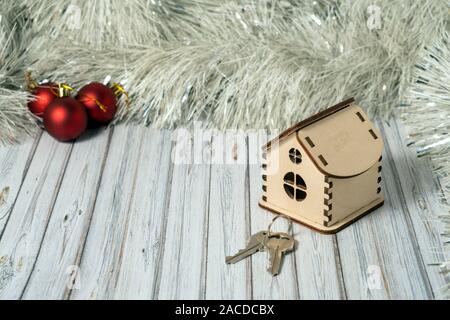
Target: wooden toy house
x,y
325,171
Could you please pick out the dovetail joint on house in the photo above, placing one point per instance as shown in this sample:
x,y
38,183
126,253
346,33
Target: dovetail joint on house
x,y
379,175
328,195
264,176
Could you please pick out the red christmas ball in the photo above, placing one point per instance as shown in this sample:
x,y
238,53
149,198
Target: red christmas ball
x,y
100,102
65,119
43,95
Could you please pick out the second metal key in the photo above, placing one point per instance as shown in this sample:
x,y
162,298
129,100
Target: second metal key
x,y
255,244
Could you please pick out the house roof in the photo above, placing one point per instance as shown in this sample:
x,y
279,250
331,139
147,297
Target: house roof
x,y
308,121
341,140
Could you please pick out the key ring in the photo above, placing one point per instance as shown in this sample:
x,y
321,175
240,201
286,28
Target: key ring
x,y
269,233
273,221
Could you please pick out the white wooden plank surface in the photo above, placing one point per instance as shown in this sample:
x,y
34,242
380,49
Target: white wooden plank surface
x,y
183,271
382,241
155,229
318,269
145,236
103,252
55,270
419,192
229,227
22,237
14,163
360,259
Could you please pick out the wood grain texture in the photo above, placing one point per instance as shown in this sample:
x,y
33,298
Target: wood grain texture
x,y
183,269
145,236
419,193
154,228
318,266
56,266
22,237
360,257
14,163
229,227
102,256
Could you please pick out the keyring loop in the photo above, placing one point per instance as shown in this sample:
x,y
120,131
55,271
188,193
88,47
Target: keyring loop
x,y
273,221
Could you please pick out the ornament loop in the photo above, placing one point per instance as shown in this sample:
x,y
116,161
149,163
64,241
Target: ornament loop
x,y
120,90
64,90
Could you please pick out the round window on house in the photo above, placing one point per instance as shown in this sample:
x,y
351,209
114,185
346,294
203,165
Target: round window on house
x,y
295,156
295,186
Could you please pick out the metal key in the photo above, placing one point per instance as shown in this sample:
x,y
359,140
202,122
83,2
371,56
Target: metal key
x,y
278,244
255,244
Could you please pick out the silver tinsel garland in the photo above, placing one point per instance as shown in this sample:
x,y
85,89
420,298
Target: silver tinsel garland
x,y
15,120
236,63
427,114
